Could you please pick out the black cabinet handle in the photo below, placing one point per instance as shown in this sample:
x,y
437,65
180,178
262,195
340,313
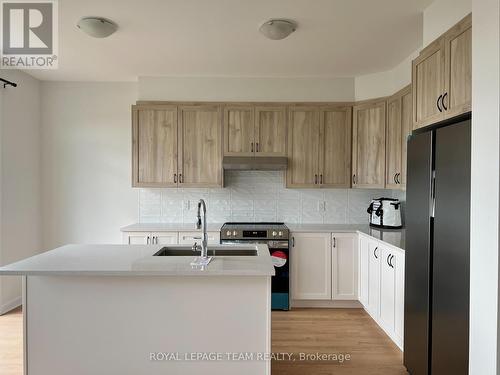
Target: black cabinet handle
x,y
387,260
175,178
390,261
442,101
257,147
394,178
354,179
293,241
321,179
181,180
397,178
437,103
315,179
375,252
251,146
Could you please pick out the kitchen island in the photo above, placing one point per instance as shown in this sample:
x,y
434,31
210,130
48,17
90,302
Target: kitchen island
x,y
118,309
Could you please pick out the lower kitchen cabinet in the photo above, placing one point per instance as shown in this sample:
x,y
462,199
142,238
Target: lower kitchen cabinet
x,y
364,259
324,266
392,293
150,238
189,238
311,266
344,266
381,285
374,253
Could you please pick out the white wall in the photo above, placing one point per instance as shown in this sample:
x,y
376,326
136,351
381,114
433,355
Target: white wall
x,y
440,15
485,188
246,89
20,218
86,173
384,83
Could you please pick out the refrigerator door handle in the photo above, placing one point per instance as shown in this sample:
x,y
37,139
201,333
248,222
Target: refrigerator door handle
x,y
433,193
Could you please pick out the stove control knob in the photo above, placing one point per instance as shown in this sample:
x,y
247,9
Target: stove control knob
x,y
274,233
234,233
228,233
280,233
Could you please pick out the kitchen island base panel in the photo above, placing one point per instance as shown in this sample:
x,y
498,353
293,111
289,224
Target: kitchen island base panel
x,y
111,325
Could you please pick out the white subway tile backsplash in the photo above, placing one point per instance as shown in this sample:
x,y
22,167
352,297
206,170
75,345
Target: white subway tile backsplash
x,y
260,196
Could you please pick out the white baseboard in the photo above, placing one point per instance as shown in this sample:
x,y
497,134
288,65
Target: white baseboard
x,y
10,305
327,304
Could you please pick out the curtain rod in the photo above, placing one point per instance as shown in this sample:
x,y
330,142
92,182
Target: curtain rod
x,y
5,83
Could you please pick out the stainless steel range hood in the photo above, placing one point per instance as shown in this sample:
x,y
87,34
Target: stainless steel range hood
x,y
250,163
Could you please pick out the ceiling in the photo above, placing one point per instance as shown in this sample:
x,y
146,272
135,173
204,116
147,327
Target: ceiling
x,y
335,38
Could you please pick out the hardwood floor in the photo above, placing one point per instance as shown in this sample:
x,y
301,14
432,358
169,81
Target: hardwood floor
x,y
326,331
11,343
333,331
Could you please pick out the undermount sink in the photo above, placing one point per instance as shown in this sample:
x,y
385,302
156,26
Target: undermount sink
x,y
212,251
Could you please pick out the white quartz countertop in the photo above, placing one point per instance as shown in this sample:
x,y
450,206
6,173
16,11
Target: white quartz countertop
x,y
394,237
137,260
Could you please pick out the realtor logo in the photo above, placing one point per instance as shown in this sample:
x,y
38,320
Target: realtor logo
x,y
29,34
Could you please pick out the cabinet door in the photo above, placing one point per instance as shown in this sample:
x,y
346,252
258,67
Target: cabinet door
x,y
303,147
368,156
458,69
428,84
189,238
239,131
311,266
200,143
164,238
364,260
154,146
344,266
387,290
399,265
394,144
406,129
270,131
137,238
374,279
335,147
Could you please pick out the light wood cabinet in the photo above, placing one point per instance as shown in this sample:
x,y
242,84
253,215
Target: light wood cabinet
x,y
368,144
154,146
319,147
458,69
200,146
303,150
270,131
239,131
398,128
254,130
344,266
442,76
311,266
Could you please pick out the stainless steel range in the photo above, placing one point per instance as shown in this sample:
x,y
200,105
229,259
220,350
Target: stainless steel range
x,y
276,237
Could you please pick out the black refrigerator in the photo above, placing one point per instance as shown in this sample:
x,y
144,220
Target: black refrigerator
x,y
436,328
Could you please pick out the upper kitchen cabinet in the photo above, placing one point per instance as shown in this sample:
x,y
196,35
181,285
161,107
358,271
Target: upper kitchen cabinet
x,y
368,144
335,147
457,97
270,131
154,146
303,147
239,133
399,126
254,130
319,147
200,146
441,76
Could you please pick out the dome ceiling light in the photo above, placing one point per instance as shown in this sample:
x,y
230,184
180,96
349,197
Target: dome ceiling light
x,y
277,29
97,27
